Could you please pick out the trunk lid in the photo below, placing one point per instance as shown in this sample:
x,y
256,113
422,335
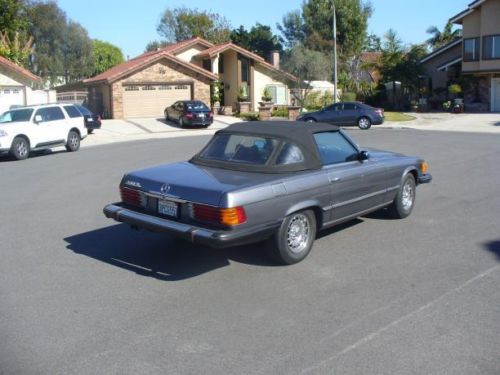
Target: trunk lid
x,y
191,182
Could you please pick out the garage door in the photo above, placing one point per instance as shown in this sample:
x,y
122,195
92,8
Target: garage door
x,y
151,100
10,96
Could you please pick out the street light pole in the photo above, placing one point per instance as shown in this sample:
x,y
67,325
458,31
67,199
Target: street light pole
x,y
334,52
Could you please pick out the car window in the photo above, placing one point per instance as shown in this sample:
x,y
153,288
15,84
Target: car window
x,y
240,149
289,154
196,106
180,105
17,115
334,107
50,114
349,106
72,111
83,110
334,148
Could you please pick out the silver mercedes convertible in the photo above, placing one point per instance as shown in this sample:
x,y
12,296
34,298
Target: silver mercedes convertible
x,y
277,182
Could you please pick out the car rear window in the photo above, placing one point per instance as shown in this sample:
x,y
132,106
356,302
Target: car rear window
x,y
196,106
238,148
83,110
17,115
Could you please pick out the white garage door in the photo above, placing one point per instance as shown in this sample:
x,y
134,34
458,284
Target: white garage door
x,y
10,96
151,100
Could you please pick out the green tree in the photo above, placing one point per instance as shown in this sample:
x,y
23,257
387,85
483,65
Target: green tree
x,y
260,39
372,43
17,48
306,65
155,45
352,22
441,38
183,23
106,55
62,48
13,17
292,28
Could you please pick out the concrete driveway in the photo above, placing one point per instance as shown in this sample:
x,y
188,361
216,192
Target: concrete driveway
x,y
123,130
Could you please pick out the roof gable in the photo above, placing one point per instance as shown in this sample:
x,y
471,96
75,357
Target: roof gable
x,y
19,70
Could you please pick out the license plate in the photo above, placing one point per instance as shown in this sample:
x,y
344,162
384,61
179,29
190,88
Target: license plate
x,y
90,119
167,208
202,116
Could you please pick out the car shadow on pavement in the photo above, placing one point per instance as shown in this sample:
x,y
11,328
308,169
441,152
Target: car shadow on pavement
x,y
177,126
33,154
338,228
494,247
160,256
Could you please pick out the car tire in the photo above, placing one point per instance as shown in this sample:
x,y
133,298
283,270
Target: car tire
x,y
309,119
364,123
293,241
20,148
73,143
181,122
403,204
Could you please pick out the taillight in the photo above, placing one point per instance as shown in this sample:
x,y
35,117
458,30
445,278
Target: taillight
x,y
223,216
189,116
132,196
380,111
210,114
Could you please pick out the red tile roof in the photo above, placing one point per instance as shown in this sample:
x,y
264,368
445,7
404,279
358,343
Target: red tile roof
x,y
20,70
169,52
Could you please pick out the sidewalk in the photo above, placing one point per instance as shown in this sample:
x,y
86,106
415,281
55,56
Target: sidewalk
x,y
149,128
463,122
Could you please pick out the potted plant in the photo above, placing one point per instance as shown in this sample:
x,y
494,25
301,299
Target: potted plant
x,y
266,95
243,93
446,105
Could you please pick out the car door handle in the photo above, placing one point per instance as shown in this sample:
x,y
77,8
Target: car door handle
x,y
334,179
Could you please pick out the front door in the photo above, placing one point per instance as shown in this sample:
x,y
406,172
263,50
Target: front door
x,y
495,94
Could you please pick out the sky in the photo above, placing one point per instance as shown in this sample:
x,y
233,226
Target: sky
x,y
131,24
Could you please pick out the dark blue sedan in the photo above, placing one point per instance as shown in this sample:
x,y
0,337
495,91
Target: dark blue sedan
x,y
347,113
189,113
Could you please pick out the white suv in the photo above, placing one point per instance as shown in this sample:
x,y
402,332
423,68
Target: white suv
x,y
40,127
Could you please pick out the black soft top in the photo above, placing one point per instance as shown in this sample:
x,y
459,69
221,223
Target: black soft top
x,y
299,133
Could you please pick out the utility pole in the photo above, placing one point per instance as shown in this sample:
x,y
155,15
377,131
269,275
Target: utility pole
x,y
334,51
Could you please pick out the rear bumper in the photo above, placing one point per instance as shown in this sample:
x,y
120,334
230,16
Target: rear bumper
x,y
203,236
378,121
425,178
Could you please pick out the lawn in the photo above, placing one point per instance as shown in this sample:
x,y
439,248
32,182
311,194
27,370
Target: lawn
x,y
397,116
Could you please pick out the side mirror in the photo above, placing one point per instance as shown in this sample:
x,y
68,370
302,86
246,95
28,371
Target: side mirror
x,y
363,155
38,119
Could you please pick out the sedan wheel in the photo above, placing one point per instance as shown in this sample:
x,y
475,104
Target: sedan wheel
x,y
181,122
295,238
364,123
403,204
310,120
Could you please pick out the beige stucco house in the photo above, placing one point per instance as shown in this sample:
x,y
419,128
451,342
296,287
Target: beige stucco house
x,y
145,85
18,86
475,55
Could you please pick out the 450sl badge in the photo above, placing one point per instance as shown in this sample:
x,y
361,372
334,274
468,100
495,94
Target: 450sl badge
x,y
133,183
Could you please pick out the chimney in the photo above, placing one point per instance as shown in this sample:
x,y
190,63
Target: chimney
x,y
275,58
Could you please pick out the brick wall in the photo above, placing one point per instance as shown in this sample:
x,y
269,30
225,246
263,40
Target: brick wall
x,y
161,72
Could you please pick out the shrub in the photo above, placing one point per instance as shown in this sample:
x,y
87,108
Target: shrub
x,y
280,112
348,97
455,89
248,116
317,100
266,95
446,105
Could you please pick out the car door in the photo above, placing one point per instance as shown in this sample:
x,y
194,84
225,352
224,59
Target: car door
x,y
356,186
349,114
331,114
52,126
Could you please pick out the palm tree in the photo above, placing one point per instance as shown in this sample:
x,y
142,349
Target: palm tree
x,y
440,38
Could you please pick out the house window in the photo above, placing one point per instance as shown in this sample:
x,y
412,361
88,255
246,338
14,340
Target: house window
x,y
164,87
181,87
471,49
148,88
131,88
207,64
278,94
245,70
491,47
221,64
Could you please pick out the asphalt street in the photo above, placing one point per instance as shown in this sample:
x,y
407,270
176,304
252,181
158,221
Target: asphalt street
x,y
80,294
